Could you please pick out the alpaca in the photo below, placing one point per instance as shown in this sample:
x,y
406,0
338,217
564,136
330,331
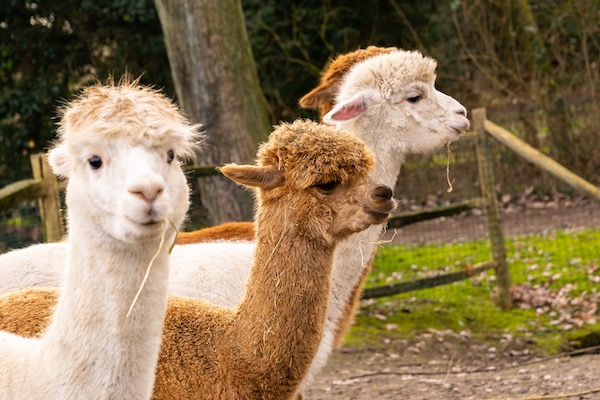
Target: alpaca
x,y
398,111
116,146
389,92
313,190
389,100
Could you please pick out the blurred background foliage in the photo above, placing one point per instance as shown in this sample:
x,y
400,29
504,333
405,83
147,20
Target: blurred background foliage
x,y
49,49
533,64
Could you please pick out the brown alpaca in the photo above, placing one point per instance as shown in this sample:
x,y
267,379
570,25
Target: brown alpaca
x,y
312,191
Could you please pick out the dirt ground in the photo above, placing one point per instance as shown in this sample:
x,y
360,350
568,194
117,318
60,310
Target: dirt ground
x,y
448,365
460,369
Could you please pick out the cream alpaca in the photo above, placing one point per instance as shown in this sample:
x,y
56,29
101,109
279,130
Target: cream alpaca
x,y
312,191
116,146
397,111
387,99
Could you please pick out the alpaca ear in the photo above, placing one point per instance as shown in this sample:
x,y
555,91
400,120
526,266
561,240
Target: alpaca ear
x,y
352,108
267,177
316,97
58,159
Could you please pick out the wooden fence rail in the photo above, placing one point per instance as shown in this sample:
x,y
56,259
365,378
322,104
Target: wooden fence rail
x,y
46,188
541,160
428,282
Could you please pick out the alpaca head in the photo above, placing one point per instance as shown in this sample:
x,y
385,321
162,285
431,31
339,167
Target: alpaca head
x,y
321,97
395,93
315,178
119,145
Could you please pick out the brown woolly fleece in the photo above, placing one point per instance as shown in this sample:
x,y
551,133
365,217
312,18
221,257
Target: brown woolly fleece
x,y
321,98
309,157
227,231
262,349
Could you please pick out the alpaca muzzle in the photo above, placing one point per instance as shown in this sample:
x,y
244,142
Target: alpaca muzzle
x,y
382,203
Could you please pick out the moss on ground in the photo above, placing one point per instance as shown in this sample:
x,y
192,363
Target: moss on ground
x,y
561,264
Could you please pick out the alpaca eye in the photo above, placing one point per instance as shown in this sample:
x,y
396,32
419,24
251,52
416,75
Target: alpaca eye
x,y
327,187
170,156
95,162
414,99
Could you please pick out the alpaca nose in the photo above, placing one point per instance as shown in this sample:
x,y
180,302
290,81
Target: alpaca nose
x,y
383,192
461,111
148,191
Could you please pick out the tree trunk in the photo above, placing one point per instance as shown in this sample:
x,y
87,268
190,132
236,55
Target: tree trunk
x,y
217,84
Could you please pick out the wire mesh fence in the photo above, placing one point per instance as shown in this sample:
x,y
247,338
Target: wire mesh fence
x,y
20,226
530,200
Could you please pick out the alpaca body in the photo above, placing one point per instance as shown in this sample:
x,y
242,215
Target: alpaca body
x,y
187,276
228,231
40,264
122,189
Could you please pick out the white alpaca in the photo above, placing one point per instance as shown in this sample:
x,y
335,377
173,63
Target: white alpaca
x,y
116,146
390,102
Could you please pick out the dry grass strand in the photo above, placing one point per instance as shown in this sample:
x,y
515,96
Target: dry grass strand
x,y
160,246
450,188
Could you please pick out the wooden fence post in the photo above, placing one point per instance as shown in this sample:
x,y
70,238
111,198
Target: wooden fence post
x,y
488,191
49,203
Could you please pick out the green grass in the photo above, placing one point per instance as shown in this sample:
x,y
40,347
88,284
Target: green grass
x,y
568,262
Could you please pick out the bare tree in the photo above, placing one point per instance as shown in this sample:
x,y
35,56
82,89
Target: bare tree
x,y
216,82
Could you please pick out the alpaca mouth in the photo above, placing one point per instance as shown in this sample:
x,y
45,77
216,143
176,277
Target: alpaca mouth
x,y
460,128
381,212
149,221
378,216
152,218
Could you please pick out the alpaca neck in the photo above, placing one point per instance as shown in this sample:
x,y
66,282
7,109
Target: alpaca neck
x,y
90,336
354,254
281,316
389,156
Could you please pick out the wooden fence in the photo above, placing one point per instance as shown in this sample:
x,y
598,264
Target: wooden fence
x,y
45,188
